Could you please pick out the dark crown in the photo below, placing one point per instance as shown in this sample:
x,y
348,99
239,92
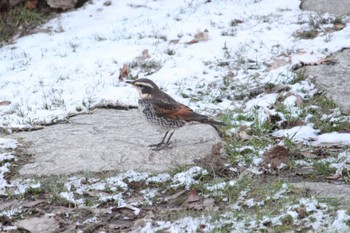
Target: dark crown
x,y
146,86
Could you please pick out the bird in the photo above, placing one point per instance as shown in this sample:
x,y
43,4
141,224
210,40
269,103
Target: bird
x,y
163,112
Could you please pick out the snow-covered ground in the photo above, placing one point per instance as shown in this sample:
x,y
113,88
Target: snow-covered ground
x,y
251,43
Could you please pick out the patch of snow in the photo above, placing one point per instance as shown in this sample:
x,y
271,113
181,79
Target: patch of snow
x,y
298,133
7,143
329,139
187,178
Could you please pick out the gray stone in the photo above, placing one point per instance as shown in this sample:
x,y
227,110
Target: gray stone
x,y
334,79
111,140
44,224
62,4
337,7
340,192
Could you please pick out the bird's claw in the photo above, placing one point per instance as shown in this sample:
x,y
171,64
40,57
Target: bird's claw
x,y
160,146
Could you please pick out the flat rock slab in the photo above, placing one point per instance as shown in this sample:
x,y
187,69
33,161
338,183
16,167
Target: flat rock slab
x,y
337,7
327,190
111,139
42,224
334,79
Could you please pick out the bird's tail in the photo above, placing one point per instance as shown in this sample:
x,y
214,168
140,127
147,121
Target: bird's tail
x,y
212,122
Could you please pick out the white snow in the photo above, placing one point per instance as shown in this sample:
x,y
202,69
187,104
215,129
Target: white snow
x,y
187,178
334,138
298,133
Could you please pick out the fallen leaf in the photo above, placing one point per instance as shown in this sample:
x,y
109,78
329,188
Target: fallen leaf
x,y
301,212
33,203
277,88
208,203
193,197
174,196
192,42
123,73
343,131
339,26
242,133
202,36
5,103
277,63
31,4
174,41
334,177
276,157
308,155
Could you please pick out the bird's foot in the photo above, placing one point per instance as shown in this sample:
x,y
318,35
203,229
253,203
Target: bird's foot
x,y
160,146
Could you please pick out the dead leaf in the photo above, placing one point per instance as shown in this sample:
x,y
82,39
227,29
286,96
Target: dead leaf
x,y
192,42
301,212
277,88
174,196
299,100
5,103
334,177
174,41
242,133
276,158
308,155
339,26
237,21
343,131
33,203
9,204
208,203
193,197
202,36
277,63
31,4
123,73
145,54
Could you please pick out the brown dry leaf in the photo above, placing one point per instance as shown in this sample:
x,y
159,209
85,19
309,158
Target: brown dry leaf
x,y
339,26
277,63
31,4
202,36
242,133
343,131
301,212
208,203
9,204
5,103
192,42
278,88
299,100
308,155
174,196
145,54
193,197
300,51
327,61
336,176
123,73
237,21
174,41
33,203
276,157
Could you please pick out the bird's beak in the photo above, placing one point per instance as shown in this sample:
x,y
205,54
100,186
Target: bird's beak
x,y
130,82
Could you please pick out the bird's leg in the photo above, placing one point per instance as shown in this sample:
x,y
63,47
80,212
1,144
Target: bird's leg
x,y
162,142
167,142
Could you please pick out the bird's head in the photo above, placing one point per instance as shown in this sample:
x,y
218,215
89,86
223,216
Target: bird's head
x,y
146,87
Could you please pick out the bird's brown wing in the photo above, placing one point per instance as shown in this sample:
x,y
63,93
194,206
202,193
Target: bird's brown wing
x,y
175,111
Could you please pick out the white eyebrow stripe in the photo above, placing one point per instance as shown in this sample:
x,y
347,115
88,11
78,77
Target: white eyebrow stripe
x,y
143,84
